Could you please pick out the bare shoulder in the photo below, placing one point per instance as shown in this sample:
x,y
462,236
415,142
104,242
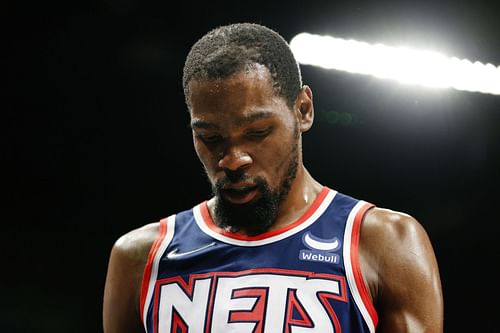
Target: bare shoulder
x,y
390,239
392,227
135,244
126,265
400,269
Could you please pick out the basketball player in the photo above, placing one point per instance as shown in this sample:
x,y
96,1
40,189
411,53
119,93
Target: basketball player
x,y
273,251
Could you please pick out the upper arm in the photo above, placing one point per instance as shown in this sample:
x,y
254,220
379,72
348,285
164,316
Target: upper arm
x,y
123,281
402,271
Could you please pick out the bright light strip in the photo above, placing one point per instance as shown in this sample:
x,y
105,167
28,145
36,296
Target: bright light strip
x,y
403,64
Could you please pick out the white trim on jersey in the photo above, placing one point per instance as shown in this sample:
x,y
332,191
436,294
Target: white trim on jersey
x,y
348,264
154,267
314,216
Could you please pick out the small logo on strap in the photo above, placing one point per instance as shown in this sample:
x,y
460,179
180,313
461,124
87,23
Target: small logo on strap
x,y
320,249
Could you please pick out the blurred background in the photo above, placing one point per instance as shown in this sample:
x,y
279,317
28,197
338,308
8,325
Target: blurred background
x,y
96,141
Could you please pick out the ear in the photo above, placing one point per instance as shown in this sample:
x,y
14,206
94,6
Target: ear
x,y
304,108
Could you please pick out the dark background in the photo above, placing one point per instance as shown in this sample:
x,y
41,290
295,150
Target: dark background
x,y
96,140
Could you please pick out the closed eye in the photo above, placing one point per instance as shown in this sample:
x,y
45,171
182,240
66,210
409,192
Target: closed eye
x,y
209,139
261,133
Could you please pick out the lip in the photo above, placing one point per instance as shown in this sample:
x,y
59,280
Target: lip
x,y
239,186
240,195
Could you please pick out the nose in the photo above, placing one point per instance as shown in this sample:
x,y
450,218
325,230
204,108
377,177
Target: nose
x,y
235,160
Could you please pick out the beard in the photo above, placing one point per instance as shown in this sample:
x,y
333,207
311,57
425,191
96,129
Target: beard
x,y
258,216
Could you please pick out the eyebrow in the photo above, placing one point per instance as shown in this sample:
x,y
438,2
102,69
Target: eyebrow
x,y
198,123
263,114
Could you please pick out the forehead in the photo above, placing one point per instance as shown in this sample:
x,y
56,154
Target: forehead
x,y
239,95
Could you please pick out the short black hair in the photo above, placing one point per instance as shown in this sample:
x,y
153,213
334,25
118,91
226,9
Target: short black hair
x,y
232,48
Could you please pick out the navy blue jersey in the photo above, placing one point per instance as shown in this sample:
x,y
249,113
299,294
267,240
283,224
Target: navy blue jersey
x,y
303,278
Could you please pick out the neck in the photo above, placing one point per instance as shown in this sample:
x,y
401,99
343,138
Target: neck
x,y
303,192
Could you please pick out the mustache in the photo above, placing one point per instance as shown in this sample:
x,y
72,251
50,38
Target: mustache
x,y
235,176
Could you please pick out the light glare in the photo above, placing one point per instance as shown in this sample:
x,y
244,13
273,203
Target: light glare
x,y
403,64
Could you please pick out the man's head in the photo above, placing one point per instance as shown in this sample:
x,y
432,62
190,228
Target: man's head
x,y
233,48
248,110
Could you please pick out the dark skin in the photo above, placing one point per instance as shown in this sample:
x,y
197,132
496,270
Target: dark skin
x,y
241,124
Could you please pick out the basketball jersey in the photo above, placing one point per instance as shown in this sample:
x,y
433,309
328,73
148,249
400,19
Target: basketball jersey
x,y
302,278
